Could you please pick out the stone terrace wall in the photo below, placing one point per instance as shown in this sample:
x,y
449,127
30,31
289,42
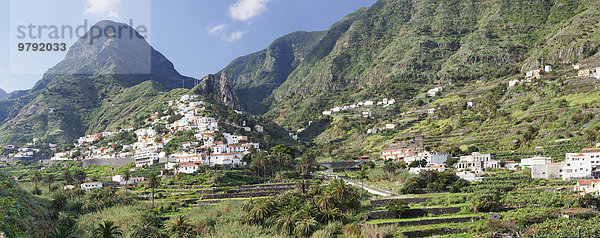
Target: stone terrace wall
x,y
383,202
432,221
413,213
105,162
432,232
239,195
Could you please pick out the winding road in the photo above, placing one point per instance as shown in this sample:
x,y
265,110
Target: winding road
x,y
368,188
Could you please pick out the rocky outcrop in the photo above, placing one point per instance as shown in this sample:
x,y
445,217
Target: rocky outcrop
x,y
219,90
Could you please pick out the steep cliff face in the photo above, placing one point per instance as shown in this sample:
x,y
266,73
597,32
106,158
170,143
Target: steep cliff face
x,y
255,76
219,89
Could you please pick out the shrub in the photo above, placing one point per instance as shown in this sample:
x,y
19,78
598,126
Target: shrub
x,y
486,203
398,207
374,231
530,215
351,230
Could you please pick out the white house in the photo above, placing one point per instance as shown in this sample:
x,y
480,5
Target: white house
x,y
510,165
367,113
431,111
596,73
434,91
91,185
434,157
230,138
145,133
233,159
259,128
61,156
537,160
477,162
68,187
438,168
581,165
146,157
132,180
368,103
588,186
187,168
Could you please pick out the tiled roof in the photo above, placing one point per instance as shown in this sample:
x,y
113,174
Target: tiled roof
x,y
587,181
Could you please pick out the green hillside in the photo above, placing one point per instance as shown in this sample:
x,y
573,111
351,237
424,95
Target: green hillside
x,y
396,47
400,49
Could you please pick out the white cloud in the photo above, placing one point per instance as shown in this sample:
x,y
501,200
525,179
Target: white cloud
x,y
217,29
103,8
222,32
235,36
244,10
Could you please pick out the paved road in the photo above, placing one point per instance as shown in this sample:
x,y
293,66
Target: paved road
x,y
368,188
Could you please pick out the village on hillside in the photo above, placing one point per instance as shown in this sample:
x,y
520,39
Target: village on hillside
x,y
157,141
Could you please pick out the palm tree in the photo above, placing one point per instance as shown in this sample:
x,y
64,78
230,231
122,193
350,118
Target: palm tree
x,y
261,211
591,135
330,214
179,227
208,154
79,176
67,176
303,184
126,176
107,229
307,159
49,180
305,227
63,232
342,195
390,168
362,175
147,230
268,140
175,167
36,178
286,221
153,182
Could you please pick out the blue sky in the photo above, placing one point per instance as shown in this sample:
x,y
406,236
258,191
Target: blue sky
x,y
198,36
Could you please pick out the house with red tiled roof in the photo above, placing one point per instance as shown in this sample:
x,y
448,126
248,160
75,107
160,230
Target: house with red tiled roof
x,y
588,186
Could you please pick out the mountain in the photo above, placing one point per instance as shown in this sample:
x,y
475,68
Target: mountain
x,y
96,73
3,94
255,76
400,48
